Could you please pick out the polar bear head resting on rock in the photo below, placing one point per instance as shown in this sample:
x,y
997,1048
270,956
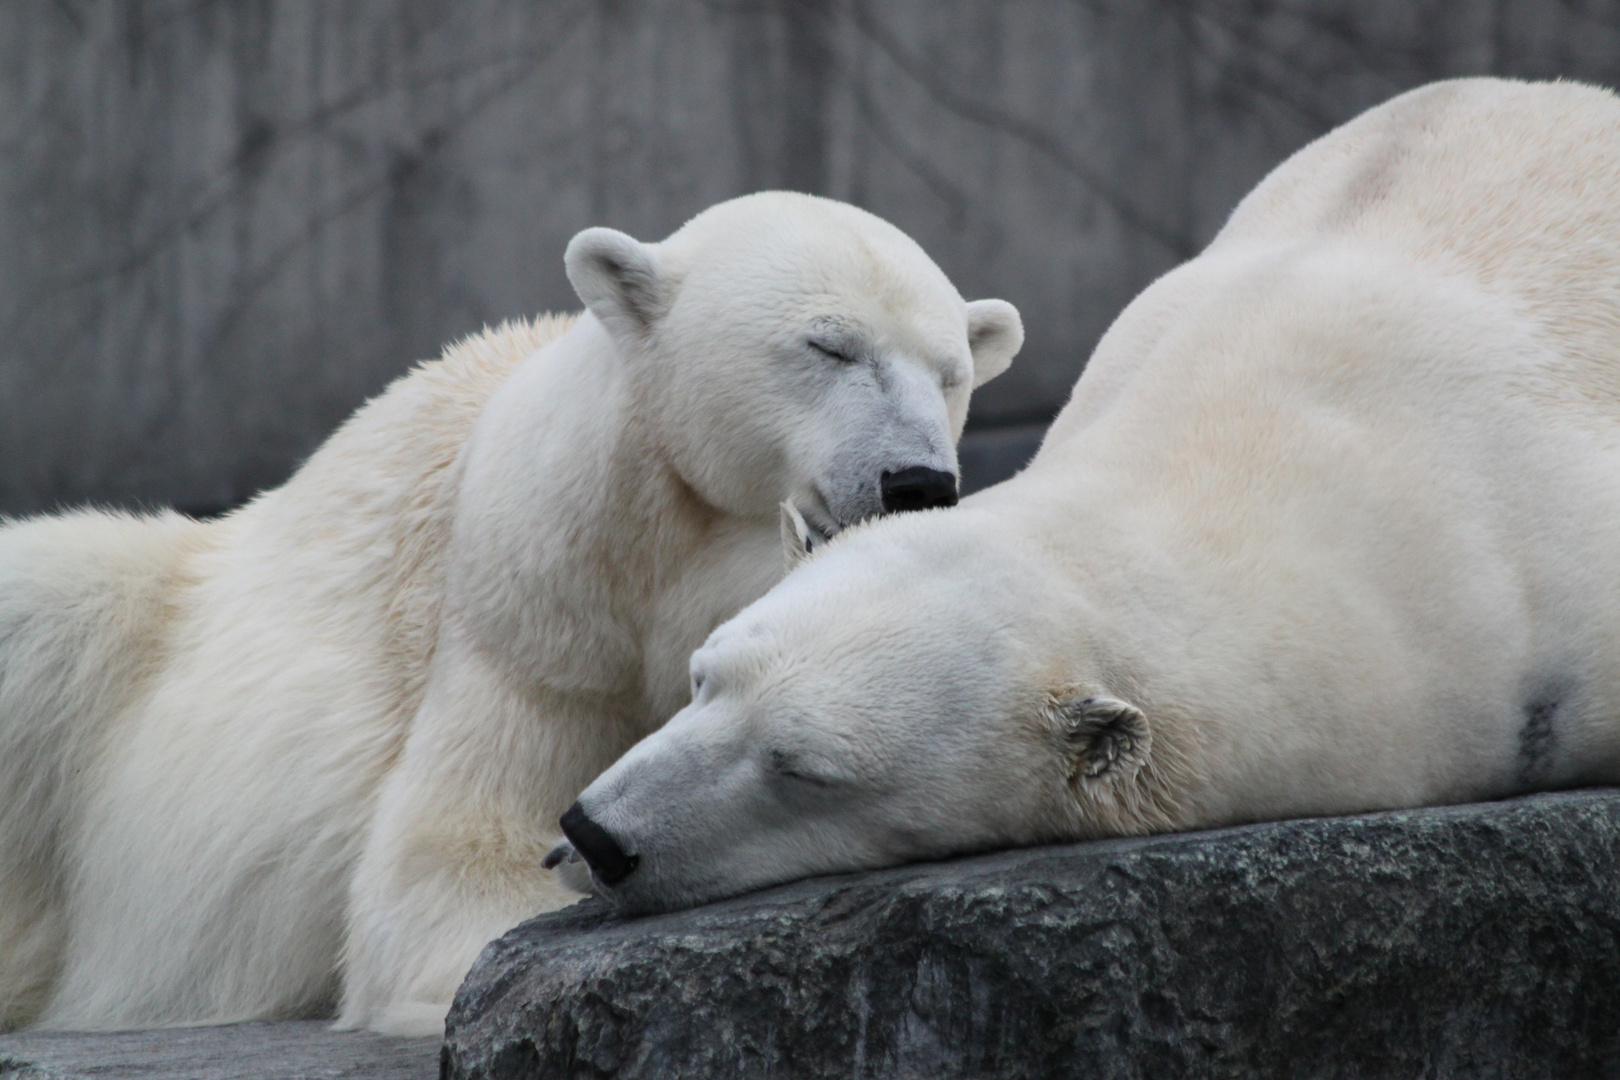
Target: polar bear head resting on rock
x,y
811,747
798,345
1326,527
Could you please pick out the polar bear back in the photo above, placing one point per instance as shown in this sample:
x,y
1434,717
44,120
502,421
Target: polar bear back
x,y
1513,185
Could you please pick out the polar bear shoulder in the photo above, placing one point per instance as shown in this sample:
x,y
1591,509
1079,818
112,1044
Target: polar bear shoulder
x,y
375,502
101,587
1493,173
1512,185
395,452
91,602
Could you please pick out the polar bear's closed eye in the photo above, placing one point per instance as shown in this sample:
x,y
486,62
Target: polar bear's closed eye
x,y
809,767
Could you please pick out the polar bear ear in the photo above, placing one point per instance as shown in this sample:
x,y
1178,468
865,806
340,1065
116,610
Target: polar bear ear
x,y
619,279
1104,736
799,537
995,334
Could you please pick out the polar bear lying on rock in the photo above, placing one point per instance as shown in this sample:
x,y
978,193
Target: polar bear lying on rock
x,y
315,751
1330,524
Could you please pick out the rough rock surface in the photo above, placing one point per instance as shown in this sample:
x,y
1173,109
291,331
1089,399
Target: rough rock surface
x,y
1476,941
295,1050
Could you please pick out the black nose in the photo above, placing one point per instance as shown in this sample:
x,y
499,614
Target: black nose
x,y
606,858
917,488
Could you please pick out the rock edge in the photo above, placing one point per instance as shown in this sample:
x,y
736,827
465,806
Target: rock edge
x,y
1474,941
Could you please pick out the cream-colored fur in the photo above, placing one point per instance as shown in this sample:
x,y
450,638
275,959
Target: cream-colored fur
x,y
311,755
1330,524
280,653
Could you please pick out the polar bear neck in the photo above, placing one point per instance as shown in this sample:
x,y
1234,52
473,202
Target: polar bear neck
x,y
566,548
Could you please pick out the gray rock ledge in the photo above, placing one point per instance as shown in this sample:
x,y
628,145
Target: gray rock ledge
x,y
284,1050
1474,941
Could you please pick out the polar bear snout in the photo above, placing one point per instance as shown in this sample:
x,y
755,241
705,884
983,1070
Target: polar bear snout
x,y
597,847
917,488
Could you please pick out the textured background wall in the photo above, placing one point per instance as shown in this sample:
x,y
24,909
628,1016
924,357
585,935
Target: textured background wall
x,y
224,224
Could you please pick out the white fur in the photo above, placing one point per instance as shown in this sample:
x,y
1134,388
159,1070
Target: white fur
x,y
1331,524
314,753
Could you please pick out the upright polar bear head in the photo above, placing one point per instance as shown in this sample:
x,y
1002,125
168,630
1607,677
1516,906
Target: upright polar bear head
x,y
797,346
899,697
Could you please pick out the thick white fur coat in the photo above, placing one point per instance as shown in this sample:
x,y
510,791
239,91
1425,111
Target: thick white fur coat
x,y
140,653
1330,524
313,754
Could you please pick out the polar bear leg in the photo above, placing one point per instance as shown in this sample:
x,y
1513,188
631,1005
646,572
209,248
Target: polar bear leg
x,y
453,857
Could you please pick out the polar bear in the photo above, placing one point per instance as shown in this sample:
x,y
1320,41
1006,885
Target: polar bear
x,y
314,752
1331,523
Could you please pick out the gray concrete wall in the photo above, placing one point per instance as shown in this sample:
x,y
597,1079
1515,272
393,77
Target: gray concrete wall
x,y
224,224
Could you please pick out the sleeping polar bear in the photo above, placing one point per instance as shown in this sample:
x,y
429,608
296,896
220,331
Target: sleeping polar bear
x,y
1330,524
316,750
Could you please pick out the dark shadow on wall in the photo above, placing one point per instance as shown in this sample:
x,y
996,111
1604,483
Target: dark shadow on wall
x,y
990,455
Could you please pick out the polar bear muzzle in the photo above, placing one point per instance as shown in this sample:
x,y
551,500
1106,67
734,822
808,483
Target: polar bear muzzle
x,y
597,847
917,488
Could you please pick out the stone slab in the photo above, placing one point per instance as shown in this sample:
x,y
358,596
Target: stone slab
x,y
1475,941
293,1050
